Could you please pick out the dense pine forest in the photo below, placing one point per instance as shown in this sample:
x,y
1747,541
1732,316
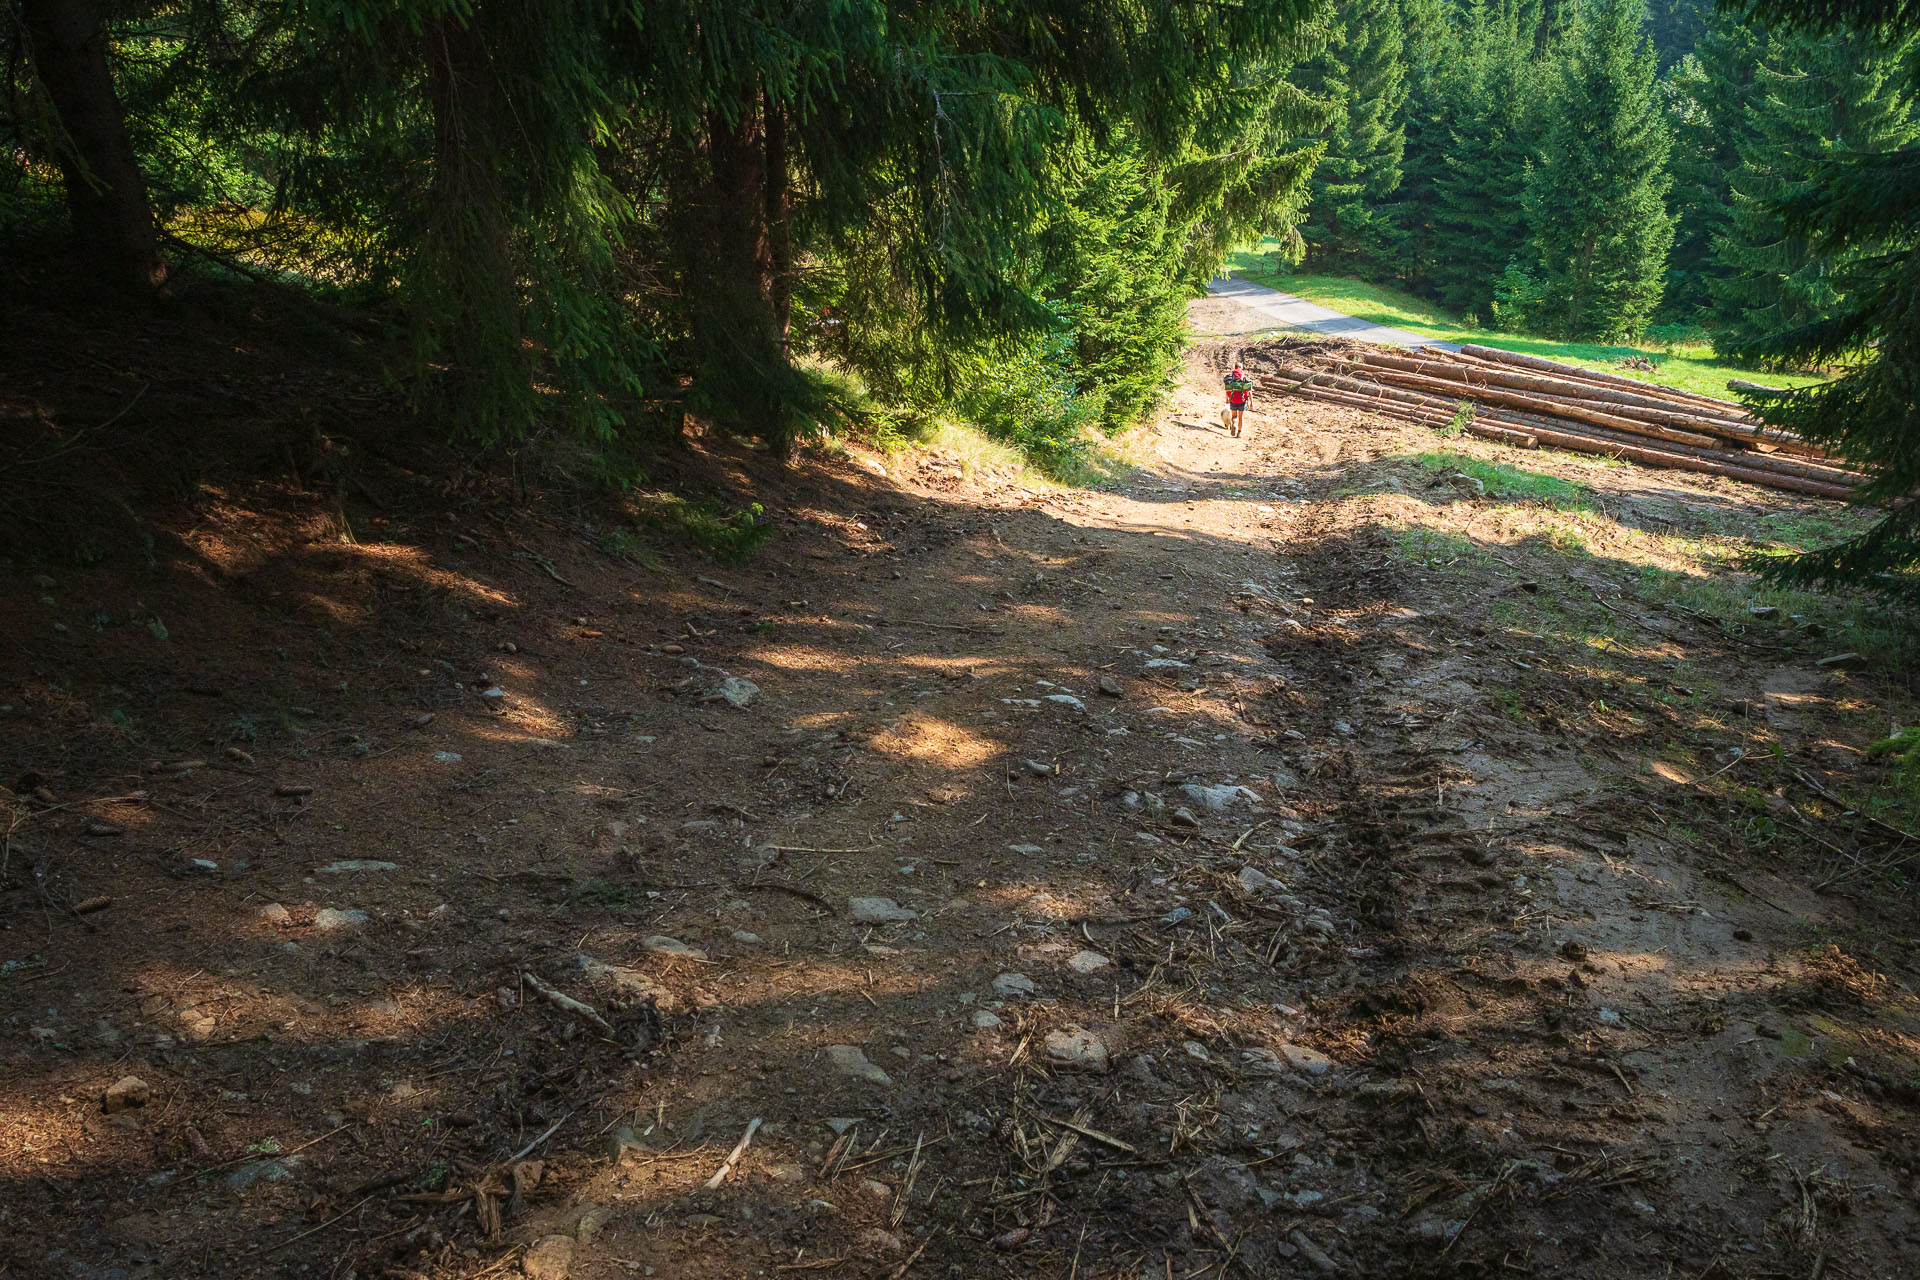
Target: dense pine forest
x,y
960,640
788,219
1594,171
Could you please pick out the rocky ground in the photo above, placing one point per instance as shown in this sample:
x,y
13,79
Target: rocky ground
x,y
1317,855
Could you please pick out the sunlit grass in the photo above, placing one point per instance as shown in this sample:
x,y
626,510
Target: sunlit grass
x,y
1503,481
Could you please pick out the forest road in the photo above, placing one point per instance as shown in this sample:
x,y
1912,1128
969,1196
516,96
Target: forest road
x,y
1201,903
1285,860
1288,311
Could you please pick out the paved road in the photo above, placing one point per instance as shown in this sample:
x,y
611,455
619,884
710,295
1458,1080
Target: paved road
x,y
1298,313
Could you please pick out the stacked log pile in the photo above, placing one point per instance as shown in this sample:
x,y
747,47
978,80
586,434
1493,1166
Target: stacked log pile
x,y
1527,401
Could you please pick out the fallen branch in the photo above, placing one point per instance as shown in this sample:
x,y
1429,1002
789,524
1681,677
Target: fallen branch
x,y
560,1000
739,1149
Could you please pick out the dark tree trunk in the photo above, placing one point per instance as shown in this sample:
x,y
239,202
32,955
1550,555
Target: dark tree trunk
x,y
106,192
735,305
779,219
473,322
736,295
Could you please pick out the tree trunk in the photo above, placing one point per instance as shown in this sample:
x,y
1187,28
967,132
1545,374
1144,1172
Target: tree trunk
x,y
468,312
779,219
106,192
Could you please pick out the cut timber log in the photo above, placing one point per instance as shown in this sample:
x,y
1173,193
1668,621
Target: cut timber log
x,y
1764,470
1557,406
1632,404
1513,435
1689,462
1559,370
1774,463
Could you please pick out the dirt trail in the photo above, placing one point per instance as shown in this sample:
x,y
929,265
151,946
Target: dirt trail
x,y
1181,880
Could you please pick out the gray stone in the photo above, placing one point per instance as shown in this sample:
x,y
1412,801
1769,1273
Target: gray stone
x,y
1217,799
850,1061
591,1222
328,919
985,1021
1085,961
661,945
620,1141
358,864
1011,986
1263,1062
1076,1047
733,691
1311,1061
1067,700
1254,880
255,1171
879,911
1183,817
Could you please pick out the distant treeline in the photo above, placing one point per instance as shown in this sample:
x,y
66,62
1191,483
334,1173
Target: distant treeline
x,y
1587,170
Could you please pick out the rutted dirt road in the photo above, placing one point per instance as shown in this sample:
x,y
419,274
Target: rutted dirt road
x,y
1260,869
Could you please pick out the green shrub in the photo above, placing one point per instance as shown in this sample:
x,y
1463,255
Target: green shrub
x,y
1025,398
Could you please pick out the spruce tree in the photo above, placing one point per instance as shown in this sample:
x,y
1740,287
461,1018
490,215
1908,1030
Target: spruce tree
x,y
1862,210
1706,96
1363,77
1813,96
1596,204
1431,52
1481,218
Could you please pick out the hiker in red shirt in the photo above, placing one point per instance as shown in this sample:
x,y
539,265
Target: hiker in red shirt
x,y
1239,391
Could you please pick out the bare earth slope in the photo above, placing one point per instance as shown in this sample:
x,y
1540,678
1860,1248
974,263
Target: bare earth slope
x,y
1293,863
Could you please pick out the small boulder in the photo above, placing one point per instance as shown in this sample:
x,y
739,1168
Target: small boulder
x,y
1310,1061
1012,986
1076,1047
849,1060
550,1258
1254,880
128,1093
1085,961
1220,798
879,911
674,949
733,691
327,919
